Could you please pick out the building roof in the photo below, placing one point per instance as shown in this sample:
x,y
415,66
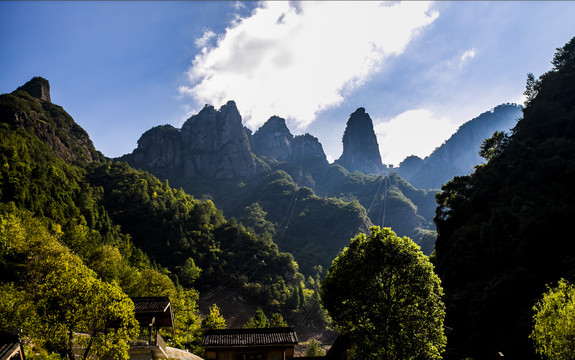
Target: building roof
x,y
9,346
233,338
154,309
151,304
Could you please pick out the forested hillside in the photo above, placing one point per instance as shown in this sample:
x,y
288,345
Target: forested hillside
x,y
288,190
459,154
66,211
504,231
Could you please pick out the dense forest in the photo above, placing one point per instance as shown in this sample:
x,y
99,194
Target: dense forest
x,y
504,231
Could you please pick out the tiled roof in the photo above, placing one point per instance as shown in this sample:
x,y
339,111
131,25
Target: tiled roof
x,y
9,345
151,304
157,309
249,337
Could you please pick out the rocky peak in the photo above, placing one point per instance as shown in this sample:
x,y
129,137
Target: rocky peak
x,y
29,108
307,150
160,147
215,145
212,144
360,147
37,87
273,139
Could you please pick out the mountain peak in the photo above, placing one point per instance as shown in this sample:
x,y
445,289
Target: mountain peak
x,y
360,147
273,139
38,87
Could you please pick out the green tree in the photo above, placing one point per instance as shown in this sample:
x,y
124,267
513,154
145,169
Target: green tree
x,y
554,329
532,87
259,320
494,146
382,290
314,349
214,320
189,272
277,320
187,323
67,306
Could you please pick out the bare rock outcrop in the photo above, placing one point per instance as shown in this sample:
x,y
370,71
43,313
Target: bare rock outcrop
x,y
307,150
160,147
273,139
360,147
212,144
215,145
38,87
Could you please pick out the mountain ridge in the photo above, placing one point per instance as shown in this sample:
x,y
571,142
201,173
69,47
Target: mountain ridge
x,y
460,153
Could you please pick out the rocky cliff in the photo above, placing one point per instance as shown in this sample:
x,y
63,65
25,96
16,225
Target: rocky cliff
x,y
460,153
360,147
273,139
38,87
306,150
212,144
160,148
216,145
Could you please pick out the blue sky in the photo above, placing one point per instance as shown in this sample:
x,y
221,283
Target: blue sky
x,y
419,69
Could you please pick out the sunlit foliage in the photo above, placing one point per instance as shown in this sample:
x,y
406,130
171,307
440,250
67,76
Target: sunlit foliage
x,y
383,292
554,326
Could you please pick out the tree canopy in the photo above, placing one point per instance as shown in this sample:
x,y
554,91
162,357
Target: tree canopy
x,y
383,292
258,320
59,296
554,329
502,230
214,320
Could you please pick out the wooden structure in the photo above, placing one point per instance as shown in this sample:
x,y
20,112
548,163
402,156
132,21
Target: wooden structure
x,y
250,344
10,347
152,313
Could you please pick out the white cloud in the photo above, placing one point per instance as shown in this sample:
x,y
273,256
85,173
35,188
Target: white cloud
x,y
295,62
468,55
451,68
204,41
414,132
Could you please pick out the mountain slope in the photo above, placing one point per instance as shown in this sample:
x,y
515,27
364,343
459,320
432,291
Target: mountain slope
x,y
460,153
29,108
125,223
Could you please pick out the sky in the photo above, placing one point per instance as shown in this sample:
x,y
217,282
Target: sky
x,y
420,69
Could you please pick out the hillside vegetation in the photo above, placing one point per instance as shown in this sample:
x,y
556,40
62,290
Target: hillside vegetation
x,y
504,231
117,228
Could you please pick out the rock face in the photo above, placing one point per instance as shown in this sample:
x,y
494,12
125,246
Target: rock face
x,y
273,139
307,150
160,147
38,87
360,147
216,145
458,155
212,144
